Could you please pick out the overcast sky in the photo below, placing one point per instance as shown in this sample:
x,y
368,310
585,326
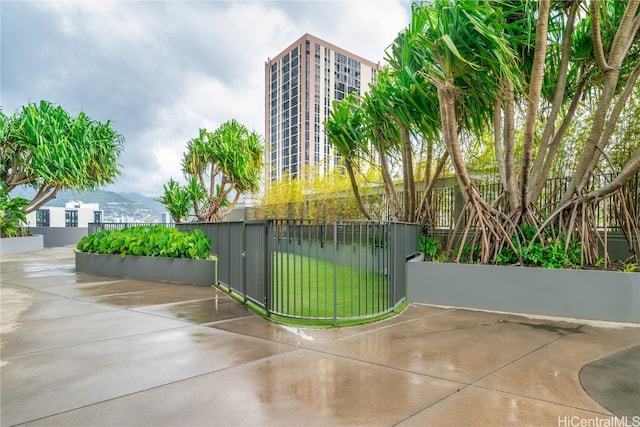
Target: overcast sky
x,y
162,70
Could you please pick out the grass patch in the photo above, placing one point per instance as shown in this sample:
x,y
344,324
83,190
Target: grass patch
x,y
303,294
312,288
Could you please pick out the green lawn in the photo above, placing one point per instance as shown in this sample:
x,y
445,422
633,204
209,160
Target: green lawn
x,y
304,287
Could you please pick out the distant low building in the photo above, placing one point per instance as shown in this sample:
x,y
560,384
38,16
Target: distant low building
x,y
74,214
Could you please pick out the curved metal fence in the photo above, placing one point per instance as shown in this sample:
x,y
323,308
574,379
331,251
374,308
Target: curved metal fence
x,y
314,269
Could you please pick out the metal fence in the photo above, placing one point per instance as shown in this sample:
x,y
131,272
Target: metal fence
x,y
94,227
314,269
447,204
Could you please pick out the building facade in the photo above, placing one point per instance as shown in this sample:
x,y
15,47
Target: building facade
x,y
73,215
300,84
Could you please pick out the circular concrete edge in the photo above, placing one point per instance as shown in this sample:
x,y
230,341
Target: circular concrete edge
x,y
614,382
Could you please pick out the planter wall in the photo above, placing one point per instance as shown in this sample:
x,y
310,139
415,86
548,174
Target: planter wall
x,y
177,270
580,294
17,245
60,236
617,244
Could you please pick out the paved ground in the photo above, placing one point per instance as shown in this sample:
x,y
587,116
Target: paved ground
x,y
81,350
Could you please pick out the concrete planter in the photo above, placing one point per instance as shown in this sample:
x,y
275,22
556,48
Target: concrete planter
x,y
580,294
60,236
17,245
177,270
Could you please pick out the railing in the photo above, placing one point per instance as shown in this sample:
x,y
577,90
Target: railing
x,y
94,227
314,269
447,204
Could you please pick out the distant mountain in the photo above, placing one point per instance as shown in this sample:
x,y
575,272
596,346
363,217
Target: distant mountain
x,y
117,207
149,202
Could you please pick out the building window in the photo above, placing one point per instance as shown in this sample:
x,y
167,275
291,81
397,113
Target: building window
x,y
42,218
97,217
70,218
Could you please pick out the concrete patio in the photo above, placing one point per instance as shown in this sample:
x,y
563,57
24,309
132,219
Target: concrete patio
x,y
81,350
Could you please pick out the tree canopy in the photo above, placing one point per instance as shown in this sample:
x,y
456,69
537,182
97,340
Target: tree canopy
x,y
44,147
217,165
548,80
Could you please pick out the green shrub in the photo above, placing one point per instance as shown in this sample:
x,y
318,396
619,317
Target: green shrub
x,y
545,251
430,246
155,240
12,214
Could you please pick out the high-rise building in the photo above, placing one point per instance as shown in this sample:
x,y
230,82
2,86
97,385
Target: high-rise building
x,y
300,84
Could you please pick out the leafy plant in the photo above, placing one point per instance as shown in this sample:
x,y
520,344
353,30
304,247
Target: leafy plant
x,y
12,214
176,200
216,164
543,251
44,147
155,240
430,246
631,267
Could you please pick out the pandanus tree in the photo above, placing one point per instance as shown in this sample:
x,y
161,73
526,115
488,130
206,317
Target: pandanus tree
x,y
220,167
176,200
611,37
464,56
527,72
44,147
486,59
412,103
345,130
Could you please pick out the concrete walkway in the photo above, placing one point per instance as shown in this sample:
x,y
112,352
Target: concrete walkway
x,y
81,350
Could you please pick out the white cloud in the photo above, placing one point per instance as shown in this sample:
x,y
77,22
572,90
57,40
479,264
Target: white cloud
x,y
162,70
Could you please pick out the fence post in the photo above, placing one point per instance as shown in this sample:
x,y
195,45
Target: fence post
x,y
244,259
335,273
268,259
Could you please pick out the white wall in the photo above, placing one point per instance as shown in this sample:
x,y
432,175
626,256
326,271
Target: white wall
x,y
57,216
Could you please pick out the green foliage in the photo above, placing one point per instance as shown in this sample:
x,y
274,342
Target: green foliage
x,y
631,267
470,253
12,214
44,147
176,200
542,251
155,240
216,165
430,246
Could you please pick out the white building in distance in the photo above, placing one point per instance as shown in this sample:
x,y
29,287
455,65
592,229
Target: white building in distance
x,y
74,214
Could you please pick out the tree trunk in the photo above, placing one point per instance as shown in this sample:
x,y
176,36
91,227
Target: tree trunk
x,y
611,71
497,141
356,191
535,88
446,96
45,194
628,171
552,149
614,116
547,135
409,178
389,188
509,146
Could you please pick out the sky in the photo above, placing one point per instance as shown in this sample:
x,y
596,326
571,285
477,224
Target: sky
x,y
159,71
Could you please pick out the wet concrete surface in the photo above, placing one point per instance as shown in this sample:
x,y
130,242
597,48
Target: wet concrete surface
x,y
605,379
82,350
